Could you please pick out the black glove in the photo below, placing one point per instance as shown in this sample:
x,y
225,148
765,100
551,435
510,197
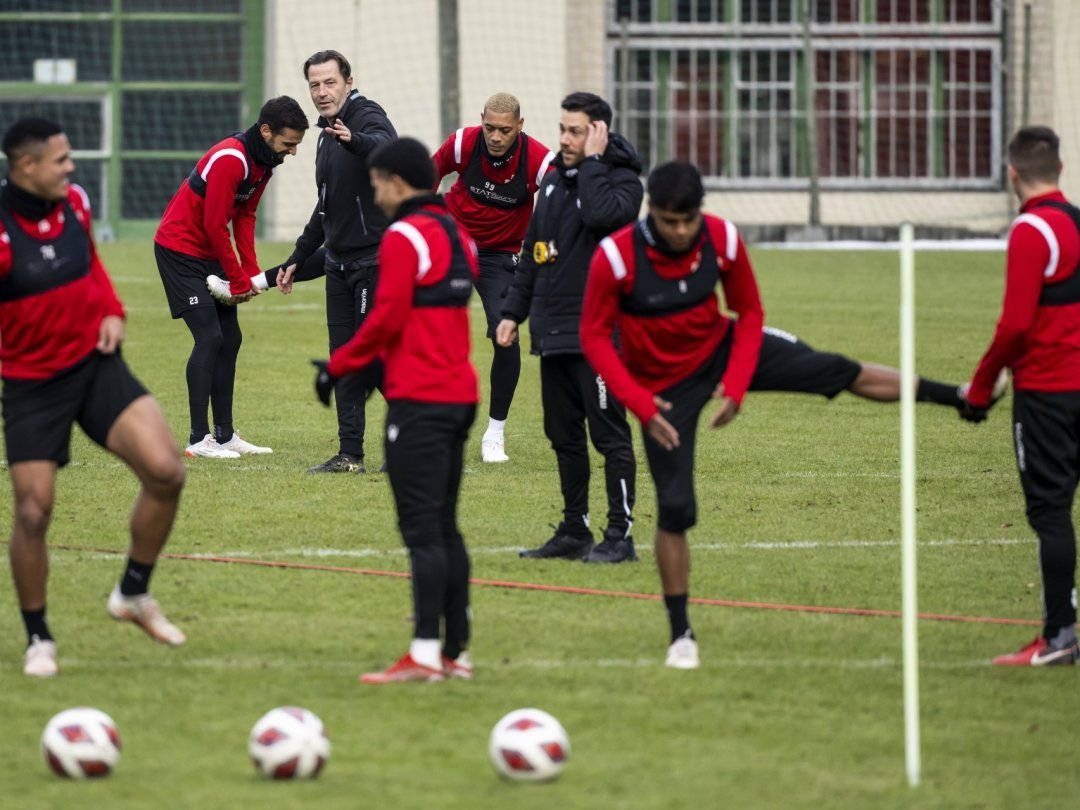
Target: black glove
x,y
324,381
972,413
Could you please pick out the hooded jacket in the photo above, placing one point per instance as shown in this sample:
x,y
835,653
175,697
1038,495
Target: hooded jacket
x,y
346,218
575,208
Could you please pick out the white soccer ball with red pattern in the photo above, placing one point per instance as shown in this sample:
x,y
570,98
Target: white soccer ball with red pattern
x,y
529,745
289,743
81,743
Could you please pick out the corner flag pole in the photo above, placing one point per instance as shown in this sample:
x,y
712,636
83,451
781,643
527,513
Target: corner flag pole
x,y
909,608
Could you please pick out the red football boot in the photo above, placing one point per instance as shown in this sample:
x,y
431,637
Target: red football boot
x,y
405,670
1040,653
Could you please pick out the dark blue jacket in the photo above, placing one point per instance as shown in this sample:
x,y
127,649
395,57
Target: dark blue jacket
x,y
575,209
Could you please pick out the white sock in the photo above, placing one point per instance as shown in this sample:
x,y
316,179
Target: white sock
x,y
495,428
425,651
259,282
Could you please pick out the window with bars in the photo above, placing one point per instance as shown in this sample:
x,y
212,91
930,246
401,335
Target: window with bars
x,y
727,85
146,87
771,12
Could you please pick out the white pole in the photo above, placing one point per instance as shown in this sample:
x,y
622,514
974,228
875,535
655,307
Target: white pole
x,y
907,502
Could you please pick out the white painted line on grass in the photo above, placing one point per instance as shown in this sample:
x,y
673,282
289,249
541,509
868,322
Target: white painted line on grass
x,y
993,245
361,553
352,666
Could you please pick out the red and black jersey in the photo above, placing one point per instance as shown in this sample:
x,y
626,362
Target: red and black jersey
x,y
224,187
492,199
1038,333
419,324
54,290
667,312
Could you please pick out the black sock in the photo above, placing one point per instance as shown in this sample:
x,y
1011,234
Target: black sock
x,y
505,372
937,392
224,377
452,649
676,611
203,324
1062,636
136,579
36,626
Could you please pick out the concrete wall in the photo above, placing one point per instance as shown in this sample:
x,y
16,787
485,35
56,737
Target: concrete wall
x,y
1057,70
985,212
525,58
393,47
393,50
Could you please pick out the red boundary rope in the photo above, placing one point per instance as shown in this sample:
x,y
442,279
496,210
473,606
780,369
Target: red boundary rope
x,y
532,586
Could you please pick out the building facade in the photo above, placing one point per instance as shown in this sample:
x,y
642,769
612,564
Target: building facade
x,y
848,112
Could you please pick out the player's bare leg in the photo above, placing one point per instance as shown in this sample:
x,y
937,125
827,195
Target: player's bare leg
x,y
883,384
673,561
879,383
34,486
141,438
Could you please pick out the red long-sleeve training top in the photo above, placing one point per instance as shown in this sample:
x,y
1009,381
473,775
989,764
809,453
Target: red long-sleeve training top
x,y
659,351
1040,343
50,331
425,349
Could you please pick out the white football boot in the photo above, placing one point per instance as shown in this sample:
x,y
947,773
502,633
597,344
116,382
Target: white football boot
x,y
244,448
683,654
209,448
41,659
144,611
219,289
493,449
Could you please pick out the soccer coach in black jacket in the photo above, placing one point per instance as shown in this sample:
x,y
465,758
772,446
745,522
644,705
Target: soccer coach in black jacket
x,y
350,225
594,192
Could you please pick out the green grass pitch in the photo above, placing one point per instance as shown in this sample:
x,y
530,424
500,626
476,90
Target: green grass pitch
x,y
799,505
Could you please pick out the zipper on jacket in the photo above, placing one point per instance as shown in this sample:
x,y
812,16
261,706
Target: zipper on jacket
x,y
547,289
360,208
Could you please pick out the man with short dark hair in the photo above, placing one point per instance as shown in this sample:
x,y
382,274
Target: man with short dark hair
x,y
655,282
1038,338
499,169
348,223
594,191
427,265
193,244
61,328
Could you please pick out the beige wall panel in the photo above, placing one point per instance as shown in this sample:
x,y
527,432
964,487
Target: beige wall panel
x,y
1061,76
392,47
981,211
516,48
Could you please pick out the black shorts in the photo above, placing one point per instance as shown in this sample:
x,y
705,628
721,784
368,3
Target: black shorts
x,y
184,278
38,414
1046,439
788,364
496,275
785,364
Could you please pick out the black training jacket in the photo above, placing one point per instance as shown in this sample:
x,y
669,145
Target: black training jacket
x,y
575,209
346,218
